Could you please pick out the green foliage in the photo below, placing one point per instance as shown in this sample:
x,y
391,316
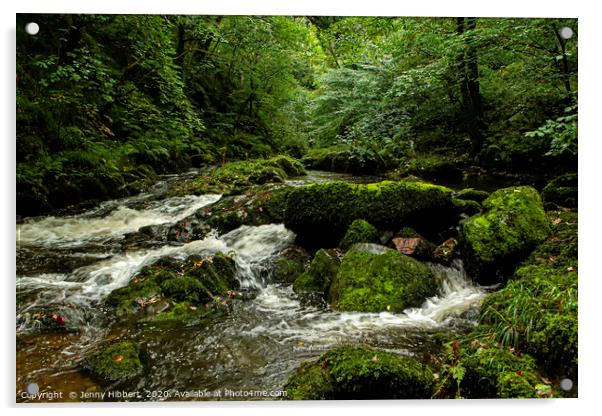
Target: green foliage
x,y
486,372
561,133
537,311
452,372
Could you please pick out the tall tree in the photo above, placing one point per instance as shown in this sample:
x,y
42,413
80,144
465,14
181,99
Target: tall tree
x,y
472,102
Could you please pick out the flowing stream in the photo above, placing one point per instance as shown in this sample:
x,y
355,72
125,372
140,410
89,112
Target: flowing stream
x,y
70,264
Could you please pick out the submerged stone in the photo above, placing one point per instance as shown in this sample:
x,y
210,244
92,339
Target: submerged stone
x,y
511,226
360,373
384,281
117,362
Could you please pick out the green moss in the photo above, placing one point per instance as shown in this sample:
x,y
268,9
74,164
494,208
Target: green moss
x,y
180,312
360,231
185,288
117,362
468,207
256,206
125,300
289,265
561,191
390,281
321,213
431,167
360,373
517,385
511,226
345,159
471,194
320,274
290,166
234,177
537,311
195,281
483,368
560,249
310,382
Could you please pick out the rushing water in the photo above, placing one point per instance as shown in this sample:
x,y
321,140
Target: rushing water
x,y
71,263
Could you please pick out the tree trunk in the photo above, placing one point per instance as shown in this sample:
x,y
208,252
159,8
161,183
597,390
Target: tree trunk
x,y
565,65
472,102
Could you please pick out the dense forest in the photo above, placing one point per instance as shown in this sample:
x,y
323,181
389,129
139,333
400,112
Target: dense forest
x,y
104,103
309,207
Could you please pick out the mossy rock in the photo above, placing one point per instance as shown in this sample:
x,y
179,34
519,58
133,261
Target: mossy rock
x,y
360,373
344,159
433,167
321,213
360,231
289,265
512,225
234,178
256,206
289,165
561,191
471,194
319,275
116,363
483,368
197,281
369,281
468,207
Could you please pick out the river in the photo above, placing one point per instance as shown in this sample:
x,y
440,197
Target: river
x,y
69,264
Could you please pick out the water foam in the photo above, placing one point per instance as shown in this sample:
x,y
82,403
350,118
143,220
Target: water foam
x,y
79,230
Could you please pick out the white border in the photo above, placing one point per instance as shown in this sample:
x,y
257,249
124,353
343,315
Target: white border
x,y
590,239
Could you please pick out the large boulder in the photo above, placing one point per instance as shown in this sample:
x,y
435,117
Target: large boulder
x,y
374,278
360,373
512,225
321,213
